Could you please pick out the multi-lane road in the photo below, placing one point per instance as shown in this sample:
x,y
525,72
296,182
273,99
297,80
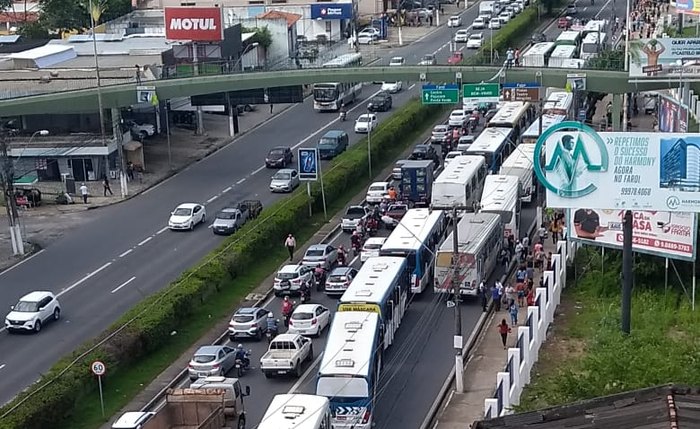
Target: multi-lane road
x,y
122,253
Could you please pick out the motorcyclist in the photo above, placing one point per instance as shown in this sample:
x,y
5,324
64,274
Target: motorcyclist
x,y
242,355
287,309
272,324
342,255
356,241
320,273
305,291
343,112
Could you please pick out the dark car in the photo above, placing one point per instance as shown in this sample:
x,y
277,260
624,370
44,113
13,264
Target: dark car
x,y
381,102
425,152
280,157
538,38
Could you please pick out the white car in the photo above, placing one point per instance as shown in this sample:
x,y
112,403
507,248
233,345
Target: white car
x,y
397,61
517,7
461,36
392,87
289,279
464,143
376,192
457,118
495,23
309,319
365,123
452,155
187,216
368,35
504,17
454,21
32,311
475,41
371,248
479,23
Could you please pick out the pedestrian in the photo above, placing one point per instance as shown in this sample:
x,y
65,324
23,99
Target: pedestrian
x,y
496,298
513,311
504,330
107,188
519,250
84,192
483,294
511,294
138,74
290,243
272,107
542,233
520,289
531,297
130,170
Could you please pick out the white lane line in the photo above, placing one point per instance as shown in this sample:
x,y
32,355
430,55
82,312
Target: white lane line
x,y
411,87
212,199
306,374
126,253
124,284
353,260
602,9
81,281
145,241
227,189
23,261
162,230
2,366
242,180
258,170
211,225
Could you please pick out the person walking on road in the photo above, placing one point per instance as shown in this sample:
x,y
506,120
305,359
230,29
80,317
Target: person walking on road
x,y
496,297
107,188
84,192
483,293
513,311
504,330
290,243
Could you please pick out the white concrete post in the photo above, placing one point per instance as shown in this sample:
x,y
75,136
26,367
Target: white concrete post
x,y
542,320
490,408
516,389
557,259
550,279
400,37
536,341
524,333
503,377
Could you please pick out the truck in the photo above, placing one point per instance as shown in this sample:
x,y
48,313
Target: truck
x,y
487,8
417,181
231,219
286,355
353,215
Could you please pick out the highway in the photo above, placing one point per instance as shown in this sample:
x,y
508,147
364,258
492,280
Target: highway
x,y
122,253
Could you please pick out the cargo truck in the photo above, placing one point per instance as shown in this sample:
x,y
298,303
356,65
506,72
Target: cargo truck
x,y
417,181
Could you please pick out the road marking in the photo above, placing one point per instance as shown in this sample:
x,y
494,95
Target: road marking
x,y
227,189
411,87
126,253
162,230
145,241
353,260
241,181
124,284
602,9
258,170
23,261
305,374
81,281
211,225
212,199
2,366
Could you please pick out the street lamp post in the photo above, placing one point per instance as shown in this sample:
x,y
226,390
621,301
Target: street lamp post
x,y
369,143
95,14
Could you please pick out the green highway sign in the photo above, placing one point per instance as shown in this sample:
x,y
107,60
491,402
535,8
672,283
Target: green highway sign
x,y
440,94
481,92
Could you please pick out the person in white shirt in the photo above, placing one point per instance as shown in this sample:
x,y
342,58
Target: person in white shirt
x,y
84,192
290,243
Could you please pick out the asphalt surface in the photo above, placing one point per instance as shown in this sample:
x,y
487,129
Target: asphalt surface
x,y
123,253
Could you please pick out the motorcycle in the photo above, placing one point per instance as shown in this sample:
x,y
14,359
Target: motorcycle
x,y
372,226
356,245
287,313
342,261
343,116
305,294
243,365
320,277
271,333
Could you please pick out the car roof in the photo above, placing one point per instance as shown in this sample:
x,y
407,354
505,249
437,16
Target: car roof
x,y
130,419
187,205
35,296
380,184
228,210
247,310
334,133
440,127
318,246
279,148
458,112
463,30
290,269
205,350
338,271
285,170
397,58
375,240
306,307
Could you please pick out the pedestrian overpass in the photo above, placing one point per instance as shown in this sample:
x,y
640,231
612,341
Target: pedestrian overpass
x,y
124,95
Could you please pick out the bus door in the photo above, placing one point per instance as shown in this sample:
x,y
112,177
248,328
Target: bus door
x,y
479,269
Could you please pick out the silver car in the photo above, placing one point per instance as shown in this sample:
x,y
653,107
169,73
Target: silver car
x,y
285,180
323,254
211,360
248,322
339,280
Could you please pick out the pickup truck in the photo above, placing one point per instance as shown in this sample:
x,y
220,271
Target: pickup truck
x,y
353,215
230,219
286,354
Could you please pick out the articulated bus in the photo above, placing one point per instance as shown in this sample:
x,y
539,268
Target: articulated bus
x,y
381,286
494,144
502,197
416,238
350,368
532,134
558,103
516,115
330,96
520,163
297,411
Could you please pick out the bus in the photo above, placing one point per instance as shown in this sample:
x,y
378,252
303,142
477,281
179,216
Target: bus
x,y
561,54
350,368
570,37
381,286
532,134
416,237
514,114
558,103
593,44
494,144
537,55
461,183
501,196
520,163
331,95
297,411
479,241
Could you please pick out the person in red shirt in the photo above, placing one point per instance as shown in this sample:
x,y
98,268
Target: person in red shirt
x,y
504,330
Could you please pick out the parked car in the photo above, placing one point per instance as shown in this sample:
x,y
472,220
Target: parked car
x,y
397,61
371,248
455,58
279,156
479,23
381,102
289,279
286,355
309,319
285,180
187,216
339,279
454,21
353,215
376,192
368,35
248,322
461,36
141,131
366,123
495,23
458,118
211,360
428,60
323,254
475,41
392,87
32,311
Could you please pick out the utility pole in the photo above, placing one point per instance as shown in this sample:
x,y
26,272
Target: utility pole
x,y
10,202
459,359
627,260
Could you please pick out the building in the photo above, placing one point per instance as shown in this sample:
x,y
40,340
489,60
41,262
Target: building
x,y
680,166
18,14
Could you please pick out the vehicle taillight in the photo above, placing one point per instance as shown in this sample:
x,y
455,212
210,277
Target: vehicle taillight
x,y
366,417
291,322
314,321
296,281
215,366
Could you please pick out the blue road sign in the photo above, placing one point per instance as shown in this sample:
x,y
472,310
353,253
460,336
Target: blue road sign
x,y
308,164
431,87
522,85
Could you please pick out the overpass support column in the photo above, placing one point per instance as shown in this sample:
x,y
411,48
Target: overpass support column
x,y
232,117
616,110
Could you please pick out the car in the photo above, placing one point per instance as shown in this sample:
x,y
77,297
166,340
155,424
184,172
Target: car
x,y
339,279
479,23
392,87
504,17
377,192
454,21
279,156
366,123
565,22
518,7
458,118
333,143
187,216
248,322
368,35
495,23
461,36
371,248
455,58
428,60
381,102
32,311
425,152
571,9
439,134
464,143
394,214
286,354
289,279
511,9
452,155
285,180
228,221
211,360
397,61
320,254
309,319
475,41
133,420
141,131
353,216
538,38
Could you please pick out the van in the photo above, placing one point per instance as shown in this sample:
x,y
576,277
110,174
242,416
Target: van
x,y
332,143
233,398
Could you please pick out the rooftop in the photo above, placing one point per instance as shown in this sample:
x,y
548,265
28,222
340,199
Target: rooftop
x,y
291,18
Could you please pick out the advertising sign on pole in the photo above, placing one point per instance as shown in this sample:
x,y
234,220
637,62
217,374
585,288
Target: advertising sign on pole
x,y
634,171
196,24
664,58
308,164
671,235
673,118
331,11
688,7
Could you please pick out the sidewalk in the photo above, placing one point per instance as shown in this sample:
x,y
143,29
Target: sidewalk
x,y
462,409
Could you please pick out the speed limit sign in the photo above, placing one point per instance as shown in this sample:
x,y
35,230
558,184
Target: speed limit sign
x,y
98,368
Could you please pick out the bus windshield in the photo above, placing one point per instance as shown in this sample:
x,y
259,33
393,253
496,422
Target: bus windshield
x,y
325,94
342,387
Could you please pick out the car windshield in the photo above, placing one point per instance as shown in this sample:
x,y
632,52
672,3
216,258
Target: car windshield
x,y
337,278
396,60
226,215
302,316
428,58
363,118
26,307
204,358
453,155
397,210
282,176
242,318
325,94
286,276
327,142
276,152
376,188
440,129
378,99
373,246
314,252
356,211
389,83
181,211
458,113
475,36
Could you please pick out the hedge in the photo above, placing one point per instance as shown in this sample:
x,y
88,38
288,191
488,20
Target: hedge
x,y
508,37
146,328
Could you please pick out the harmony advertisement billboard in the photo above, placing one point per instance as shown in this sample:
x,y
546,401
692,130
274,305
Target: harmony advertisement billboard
x,y
635,171
198,24
671,235
664,58
673,118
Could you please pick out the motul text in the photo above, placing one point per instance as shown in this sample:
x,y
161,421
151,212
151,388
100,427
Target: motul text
x,y
198,24
192,24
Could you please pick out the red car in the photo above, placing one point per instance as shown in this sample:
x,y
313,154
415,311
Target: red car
x,y
564,22
456,58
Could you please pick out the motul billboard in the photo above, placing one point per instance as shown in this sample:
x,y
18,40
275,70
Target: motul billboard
x,y
198,24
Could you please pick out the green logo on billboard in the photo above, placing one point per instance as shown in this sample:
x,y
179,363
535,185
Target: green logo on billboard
x,y
570,159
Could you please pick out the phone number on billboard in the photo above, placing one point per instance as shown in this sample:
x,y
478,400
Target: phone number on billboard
x,y
635,191
662,244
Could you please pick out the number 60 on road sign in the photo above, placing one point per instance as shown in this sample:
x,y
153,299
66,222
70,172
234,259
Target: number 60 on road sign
x,y
98,368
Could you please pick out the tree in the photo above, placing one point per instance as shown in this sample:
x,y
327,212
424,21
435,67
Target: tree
x,y
609,59
262,36
69,15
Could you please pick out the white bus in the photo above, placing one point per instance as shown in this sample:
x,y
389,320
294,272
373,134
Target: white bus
x,y
350,368
479,241
593,44
461,183
297,411
573,63
570,37
501,196
561,54
537,55
520,163
381,286
532,134
416,238
558,103
494,144
513,114
595,26
330,96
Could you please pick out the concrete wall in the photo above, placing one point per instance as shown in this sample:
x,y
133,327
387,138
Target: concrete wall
x,y
281,46
310,28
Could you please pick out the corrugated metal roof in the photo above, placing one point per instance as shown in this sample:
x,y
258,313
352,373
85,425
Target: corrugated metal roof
x,y
42,51
9,39
128,45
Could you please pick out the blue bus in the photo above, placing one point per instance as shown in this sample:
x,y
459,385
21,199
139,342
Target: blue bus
x,y
494,144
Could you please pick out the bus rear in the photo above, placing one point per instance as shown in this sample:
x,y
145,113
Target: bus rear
x,y
501,197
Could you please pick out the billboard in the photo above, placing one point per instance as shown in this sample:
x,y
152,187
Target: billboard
x,y
308,164
635,171
688,6
673,118
664,58
666,234
331,11
198,24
